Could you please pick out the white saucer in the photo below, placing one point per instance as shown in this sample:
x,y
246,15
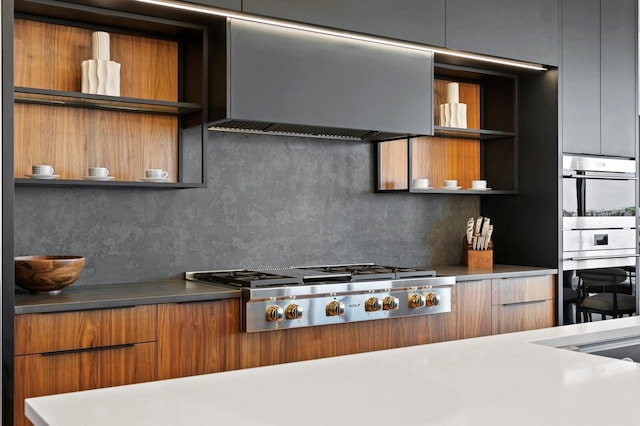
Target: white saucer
x,y
154,179
43,176
450,187
98,178
479,189
422,187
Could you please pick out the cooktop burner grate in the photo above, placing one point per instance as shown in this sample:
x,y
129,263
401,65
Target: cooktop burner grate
x,y
246,278
307,275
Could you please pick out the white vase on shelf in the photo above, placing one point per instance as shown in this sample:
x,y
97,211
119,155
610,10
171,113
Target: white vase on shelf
x,y
453,113
100,75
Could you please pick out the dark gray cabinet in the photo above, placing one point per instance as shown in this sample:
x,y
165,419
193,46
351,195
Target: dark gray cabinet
x,y
419,21
299,78
526,30
598,77
618,81
224,4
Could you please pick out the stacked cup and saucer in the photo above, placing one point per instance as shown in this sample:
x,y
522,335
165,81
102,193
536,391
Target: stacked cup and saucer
x,y
42,171
98,174
479,185
450,184
421,183
155,175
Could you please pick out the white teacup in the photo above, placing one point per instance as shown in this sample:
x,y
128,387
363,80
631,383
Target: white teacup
x,y
479,184
422,183
156,174
450,183
42,169
98,172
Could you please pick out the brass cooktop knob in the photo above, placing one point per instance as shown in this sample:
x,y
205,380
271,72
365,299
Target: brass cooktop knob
x,y
372,304
432,299
294,311
274,313
390,303
416,300
334,308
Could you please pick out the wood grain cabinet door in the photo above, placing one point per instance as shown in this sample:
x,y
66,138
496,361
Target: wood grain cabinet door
x,y
520,304
60,372
472,309
197,338
80,350
522,316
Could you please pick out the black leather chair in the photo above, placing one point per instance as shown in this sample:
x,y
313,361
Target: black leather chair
x,y
604,291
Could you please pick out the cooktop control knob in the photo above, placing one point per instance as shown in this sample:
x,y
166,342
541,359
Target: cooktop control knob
x,y
432,299
416,300
274,313
372,304
390,303
335,308
294,311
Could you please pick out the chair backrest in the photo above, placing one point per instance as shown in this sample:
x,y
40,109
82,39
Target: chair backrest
x,y
603,279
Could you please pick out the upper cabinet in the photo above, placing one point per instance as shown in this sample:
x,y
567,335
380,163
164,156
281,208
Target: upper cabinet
x,y
483,147
525,30
153,121
421,21
288,81
598,77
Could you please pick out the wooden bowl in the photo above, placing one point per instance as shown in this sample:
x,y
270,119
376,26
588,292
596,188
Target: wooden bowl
x,y
47,273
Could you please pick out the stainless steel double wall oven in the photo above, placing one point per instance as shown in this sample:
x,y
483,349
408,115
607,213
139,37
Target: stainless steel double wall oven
x,y
599,212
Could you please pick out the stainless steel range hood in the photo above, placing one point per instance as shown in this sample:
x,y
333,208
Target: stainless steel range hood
x,y
276,80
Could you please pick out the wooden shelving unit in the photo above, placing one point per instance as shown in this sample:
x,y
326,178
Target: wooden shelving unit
x,y
485,149
162,94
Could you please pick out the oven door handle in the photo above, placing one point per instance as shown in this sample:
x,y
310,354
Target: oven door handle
x,y
608,177
611,256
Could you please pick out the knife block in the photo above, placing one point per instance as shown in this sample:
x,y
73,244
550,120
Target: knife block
x,y
477,259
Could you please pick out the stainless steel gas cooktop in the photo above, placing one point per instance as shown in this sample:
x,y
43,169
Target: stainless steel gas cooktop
x,y
291,297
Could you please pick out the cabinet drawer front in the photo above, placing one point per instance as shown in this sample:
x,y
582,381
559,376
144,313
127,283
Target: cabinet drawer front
x,y
526,289
62,331
38,375
522,317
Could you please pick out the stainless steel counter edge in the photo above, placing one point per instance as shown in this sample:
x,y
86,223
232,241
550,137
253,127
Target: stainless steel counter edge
x,y
122,295
149,293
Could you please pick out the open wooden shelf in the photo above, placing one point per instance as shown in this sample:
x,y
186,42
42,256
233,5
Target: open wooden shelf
x,y
113,103
106,184
485,149
481,134
163,87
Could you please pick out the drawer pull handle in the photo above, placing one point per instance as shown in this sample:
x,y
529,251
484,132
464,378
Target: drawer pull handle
x,y
97,348
528,302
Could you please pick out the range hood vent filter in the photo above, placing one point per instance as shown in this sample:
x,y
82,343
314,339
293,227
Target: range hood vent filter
x,y
242,126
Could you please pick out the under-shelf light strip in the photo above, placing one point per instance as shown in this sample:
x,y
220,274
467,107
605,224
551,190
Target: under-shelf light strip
x,y
228,14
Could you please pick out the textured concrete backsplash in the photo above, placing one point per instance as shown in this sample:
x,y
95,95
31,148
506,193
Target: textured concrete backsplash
x,y
269,201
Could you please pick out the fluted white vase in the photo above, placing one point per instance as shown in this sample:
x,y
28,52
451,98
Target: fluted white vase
x,y
100,75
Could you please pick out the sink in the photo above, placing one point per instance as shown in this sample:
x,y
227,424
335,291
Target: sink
x,y
621,344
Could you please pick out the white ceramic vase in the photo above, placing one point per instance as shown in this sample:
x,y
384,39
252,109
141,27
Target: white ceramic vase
x,y
100,75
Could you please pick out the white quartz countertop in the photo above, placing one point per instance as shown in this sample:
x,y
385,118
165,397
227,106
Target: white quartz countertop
x,y
495,380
